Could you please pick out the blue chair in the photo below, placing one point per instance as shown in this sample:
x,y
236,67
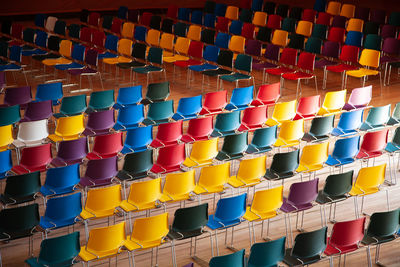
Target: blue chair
x,y
61,180
128,96
320,5
40,20
61,212
263,140
138,139
349,123
197,17
159,112
49,91
188,108
344,152
5,163
140,33
209,20
226,124
377,117
267,253
123,12
229,213
111,43
354,38
394,146
241,98
236,27
256,5
129,117
210,55
222,40
78,53
220,9
235,259
184,14
15,56
40,41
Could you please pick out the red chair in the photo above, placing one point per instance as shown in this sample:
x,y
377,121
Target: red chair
x,y
308,107
172,11
267,95
195,54
116,25
349,55
306,62
86,35
345,238
214,102
106,146
198,129
35,158
336,34
169,159
373,144
168,134
222,24
145,18
288,57
274,21
253,118
248,30
309,15
94,19
324,19
98,40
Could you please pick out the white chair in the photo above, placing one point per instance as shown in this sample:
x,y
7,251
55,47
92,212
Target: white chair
x,y
50,23
31,133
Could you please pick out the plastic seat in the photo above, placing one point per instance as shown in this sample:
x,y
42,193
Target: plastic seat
x,y
181,50
336,34
197,17
344,152
99,172
31,133
153,37
212,179
283,111
249,173
178,186
248,32
226,124
71,105
321,128
320,31
209,20
138,139
183,14
169,159
260,18
233,148
222,24
283,165
35,158
61,180
214,102
208,36
198,129
38,111
101,100
274,21
195,54
394,146
280,38
359,98
395,118
373,144
377,117
333,8
71,152
49,91
65,52
210,55
333,103
290,133
349,123
309,15
368,181
202,154
68,128
313,157
373,41
194,33
304,28
5,163
308,107
354,38
168,134
246,15
6,138
233,259
9,115
99,122
355,25
240,98
159,112
264,34
232,12
106,146
313,45
288,57
268,94
253,118
128,96
225,60
129,117
17,96
188,108
289,25
324,18
263,140
267,253
136,165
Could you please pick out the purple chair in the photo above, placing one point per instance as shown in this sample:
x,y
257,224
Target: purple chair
x,y
390,51
17,96
362,13
253,48
271,53
359,98
339,22
100,172
71,152
331,50
378,16
388,31
36,111
99,122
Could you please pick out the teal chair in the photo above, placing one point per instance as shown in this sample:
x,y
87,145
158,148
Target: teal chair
x,y
313,45
373,41
231,260
243,63
101,100
72,105
319,31
9,115
263,140
267,254
289,25
395,118
377,118
226,124
155,64
234,147
159,112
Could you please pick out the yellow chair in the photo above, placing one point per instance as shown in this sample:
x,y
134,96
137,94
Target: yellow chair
x,y
250,172
148,233
202,154
65,52
313,157
265,205
194,33
6,137
355,25
232,13
212,179
127,30
153,38
333,8
124,48
283,111
167,44
68,128
104,242
181,50
290,133
178,186
333,103
260,19
280,38
102,202
304,28
237,43
348,10
369,59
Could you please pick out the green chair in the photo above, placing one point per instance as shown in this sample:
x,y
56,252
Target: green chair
x,y
319,31
156,92
289,25
226,124
308,248
57,251
267,253
72,105
313,45
382,228
101,100
371,27
377,118
155,64
373,41
283,165
263,140
296,41
246,15
159,112
234,147
320,129
9,115
235,259
243,63
395,118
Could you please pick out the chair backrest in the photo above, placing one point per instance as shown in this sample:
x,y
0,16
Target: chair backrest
x,y
183,13
292,130
336,34
194,33
140,33
237,44
171,156
200,128
289,25
189,107
264,34
222,40
315,154
69,127
22,188
215,101
334,100
360,97
20,221
308,106
155,22
254,117
267,201
284,111
349,53
157,92
153,37
274,21
36,156
180,29
370,58
250,169
322,126
65,208
155,55
350,120
105,198
304,28
370,177
208,37
347,233
169,132
49,91
242,96
138,138
338,184
9,115
383,224
288,56
150,229
190,218
17,95
378,116
108,145
243,62
248,31
245,15
313,45
235,259
160,110
204,150
267,253
310,244
309,15
197,17
280,38
260,18
145,192
5,162
303,192
227,122
214,176
100,122
319,31
179,183
285,162
268,94
38,110
354,38
139,162
346,148
129,96
107,239
60,178
130,116
230,208
33,131
264,137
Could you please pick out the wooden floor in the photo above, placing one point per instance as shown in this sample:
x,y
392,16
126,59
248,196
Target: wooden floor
x,y
15,252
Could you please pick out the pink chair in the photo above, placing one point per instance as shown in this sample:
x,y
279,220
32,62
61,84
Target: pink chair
x,y
359,98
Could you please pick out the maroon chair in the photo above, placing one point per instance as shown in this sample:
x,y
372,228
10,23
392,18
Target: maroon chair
x,y
94,19
339,22
36,111
274,21
36,158
388,31
248,31
309,15
17,96
362,13
336,34
145,18
331,50
253,118
222,24
267,95
168,134
99,172
214,102
169,159
271,53
86,35
71,152
288,57
116,25
253,48
378,16
308,107
91,68
198,129
324,19
373,144
99,122
172,11
106,146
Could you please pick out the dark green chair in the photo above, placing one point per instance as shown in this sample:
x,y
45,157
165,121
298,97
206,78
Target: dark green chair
x,y
394,19
159,112
296,41
269,7
283,165
225,61
246,15
296,13
371,27
74,30
21,188
107,22
243,63
319,31
264,34
320,129
101,100
136,165
28,37
308,248
57,251
9,115
155,64
267,253
72,105
289,25
313,45
226,124
373,41
382,228
263,140
234,147
156,92
235,259
180,29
